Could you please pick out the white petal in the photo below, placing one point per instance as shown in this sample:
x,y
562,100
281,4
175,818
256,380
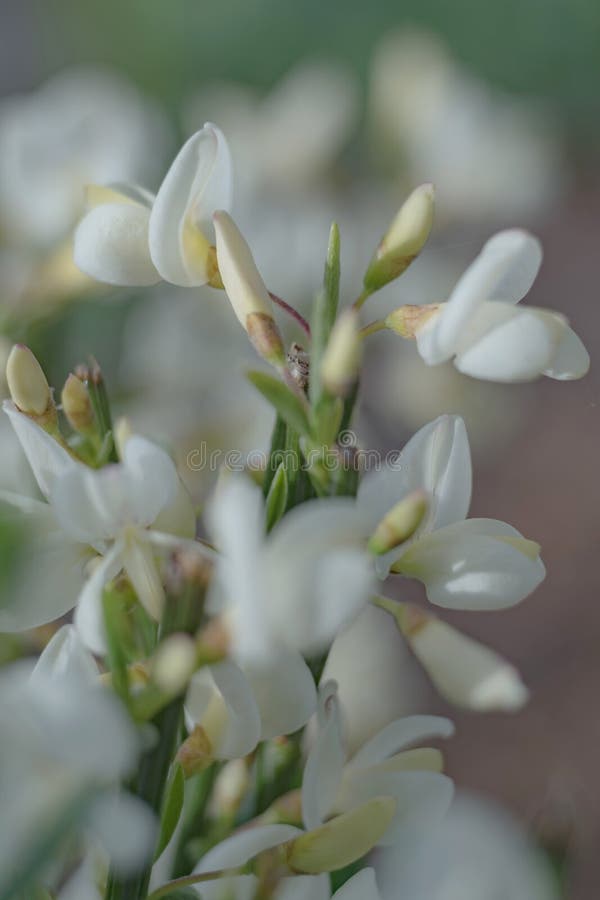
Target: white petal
x,y
398,735
241,847
111,245
325,763
139,563
437,459
504,343
66,656
361,886
465,671
197,184
474,565
504,270
571,359
126,828
285,693
423,799
154,480
221,700
89,615
46,457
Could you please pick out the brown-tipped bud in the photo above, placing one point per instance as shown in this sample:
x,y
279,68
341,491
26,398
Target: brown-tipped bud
x,y
342,840
27,383
77,405
408,320
399,524
404,239
195,754
266,339
343,354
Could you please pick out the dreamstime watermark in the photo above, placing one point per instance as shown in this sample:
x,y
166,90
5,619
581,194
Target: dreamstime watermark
x,y
346,454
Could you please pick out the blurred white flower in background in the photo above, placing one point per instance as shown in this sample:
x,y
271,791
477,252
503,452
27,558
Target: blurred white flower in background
x,y
490,155
476,853
81,126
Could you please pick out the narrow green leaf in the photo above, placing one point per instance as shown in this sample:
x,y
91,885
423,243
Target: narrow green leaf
x,y
288,405
277,445
116,630
324,311
171,809
277,497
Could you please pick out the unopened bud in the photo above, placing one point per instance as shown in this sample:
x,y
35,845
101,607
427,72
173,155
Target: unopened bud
x,y
404,239
408,320
195,754
342,357
342,840
230,788
464,671
27,383
174,663
246,289
77,405
399,524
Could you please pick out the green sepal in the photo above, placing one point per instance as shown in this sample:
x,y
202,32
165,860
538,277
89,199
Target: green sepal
x,y
277,497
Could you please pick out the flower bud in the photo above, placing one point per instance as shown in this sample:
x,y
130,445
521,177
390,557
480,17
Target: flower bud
x,y
27,383
77,405
246,290
342,840
230,788
195,754
407,320
399,523
341,361
174,663
403,240
465,672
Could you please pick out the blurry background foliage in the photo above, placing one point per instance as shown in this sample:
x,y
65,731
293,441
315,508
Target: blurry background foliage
x,y
547,47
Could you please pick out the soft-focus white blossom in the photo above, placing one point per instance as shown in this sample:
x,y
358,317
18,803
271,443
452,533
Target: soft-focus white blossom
x,y
130,237
81,126
295,588
109,510
335,782
489,154
478,852
488,334
464,563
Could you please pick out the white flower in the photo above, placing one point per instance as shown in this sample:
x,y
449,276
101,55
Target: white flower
x,y
478,852
81,126
66,741
464,563
488,335
294,589
335,782
131,237
110,510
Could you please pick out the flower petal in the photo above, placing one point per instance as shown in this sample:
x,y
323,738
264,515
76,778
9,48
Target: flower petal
x,y
66,656
111,245
325,763
47,458
140,566
243,846
285,693
198,182
571,359
361,886
126,828
477,564
398,735
89,615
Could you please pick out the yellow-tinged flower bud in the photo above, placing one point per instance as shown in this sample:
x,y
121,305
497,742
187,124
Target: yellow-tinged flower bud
x,y
399,523
407,320
342,357
27,383
195,754
77,405
404,239
246,290
342,840
174,663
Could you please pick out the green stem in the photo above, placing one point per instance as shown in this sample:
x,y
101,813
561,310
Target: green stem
x,y
200,789
372,327
364,295
189,880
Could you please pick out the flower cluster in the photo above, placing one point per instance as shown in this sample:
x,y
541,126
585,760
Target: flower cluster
x,y
218,718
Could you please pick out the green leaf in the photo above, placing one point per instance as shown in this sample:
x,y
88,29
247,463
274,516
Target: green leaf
x,y
278,438
288,405
277,497
116,628
324,311
171,809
